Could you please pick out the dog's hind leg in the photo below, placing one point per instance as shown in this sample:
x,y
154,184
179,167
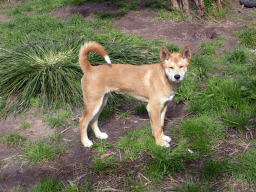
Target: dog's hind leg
x,y
93,104
94,121
163,112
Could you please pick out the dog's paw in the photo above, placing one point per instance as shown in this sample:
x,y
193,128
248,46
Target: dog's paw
x,y
165,144
88,143
102,136
167,138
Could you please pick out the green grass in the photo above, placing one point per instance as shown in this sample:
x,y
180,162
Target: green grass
x,y
106,164
247,38
12,139
141,109
58,119
215,169
192,185
25,125
244,166
165,161
50,184
174,15
41,151
38,6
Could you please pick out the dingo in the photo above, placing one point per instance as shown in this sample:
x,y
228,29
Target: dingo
x,y
153,83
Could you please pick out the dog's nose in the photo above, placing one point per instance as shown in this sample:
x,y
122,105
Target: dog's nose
x,y
177,77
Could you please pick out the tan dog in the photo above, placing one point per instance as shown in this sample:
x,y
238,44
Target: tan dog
x,y
153,83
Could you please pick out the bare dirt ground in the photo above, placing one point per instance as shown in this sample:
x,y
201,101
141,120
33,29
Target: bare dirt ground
x,y
75,164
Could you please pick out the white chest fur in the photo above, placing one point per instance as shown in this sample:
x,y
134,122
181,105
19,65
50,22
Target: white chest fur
x,y
169,97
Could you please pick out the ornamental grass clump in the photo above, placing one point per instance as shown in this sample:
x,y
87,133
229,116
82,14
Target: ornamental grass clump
x,y
48,70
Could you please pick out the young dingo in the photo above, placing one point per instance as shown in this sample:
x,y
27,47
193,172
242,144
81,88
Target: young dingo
x,y
153,83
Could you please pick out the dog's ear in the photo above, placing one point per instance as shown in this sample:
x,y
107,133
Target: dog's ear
x,y
164,54
186,53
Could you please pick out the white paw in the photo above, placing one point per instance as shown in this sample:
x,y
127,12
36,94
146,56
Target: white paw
x,y
88,143
102,136
165,144
167,138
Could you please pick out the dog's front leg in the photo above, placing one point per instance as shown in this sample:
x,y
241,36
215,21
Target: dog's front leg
x,y
155,111
165,137
84,122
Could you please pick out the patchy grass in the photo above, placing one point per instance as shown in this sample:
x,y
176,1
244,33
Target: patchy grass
x,y
41,151
12,139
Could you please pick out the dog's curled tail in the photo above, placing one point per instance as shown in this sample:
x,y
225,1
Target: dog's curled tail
x,y
86,49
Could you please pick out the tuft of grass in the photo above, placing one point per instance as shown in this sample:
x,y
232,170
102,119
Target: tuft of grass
x,y
174,15
208,49
39,6
141,109
12,139
224,94
191,185
188,88
134,142
44,71
105,165
55,137
41,151
25,125
247,38
214,11
244,166
48,184
215,169
167,161
75,187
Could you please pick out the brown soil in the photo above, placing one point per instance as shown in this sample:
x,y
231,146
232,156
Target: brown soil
x,y
75,164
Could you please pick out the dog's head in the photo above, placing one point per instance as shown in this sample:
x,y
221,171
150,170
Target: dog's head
x,y
175,64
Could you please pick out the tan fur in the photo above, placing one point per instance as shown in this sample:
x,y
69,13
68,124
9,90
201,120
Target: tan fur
x,y
154,83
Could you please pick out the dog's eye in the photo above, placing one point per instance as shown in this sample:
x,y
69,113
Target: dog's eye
x,y
171,67
181,66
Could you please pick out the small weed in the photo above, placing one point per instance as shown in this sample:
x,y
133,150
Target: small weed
x,y
190,185
134,142
208,49
248,38
13,139
141,109
237,56
123,115
57,120
83,186
221,38
25,125
214,169
148,4
54,121
105,165
102,146
174,15
41,151
55,137
188,88
245,165
48,184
